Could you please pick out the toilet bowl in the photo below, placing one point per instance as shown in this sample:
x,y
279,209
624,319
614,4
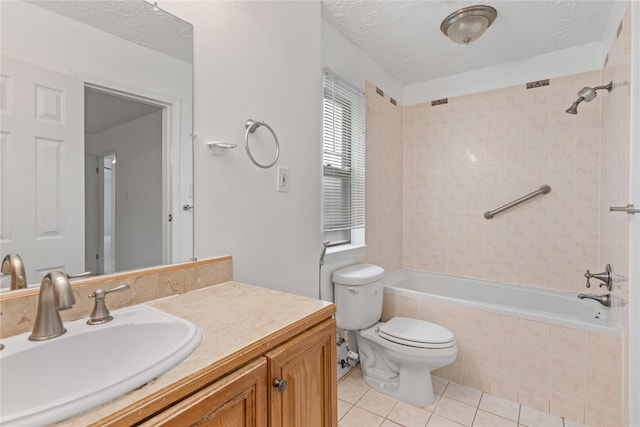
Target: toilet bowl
x,y
401,370
396,356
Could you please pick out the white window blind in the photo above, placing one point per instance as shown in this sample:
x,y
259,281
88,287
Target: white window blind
x,y
343,141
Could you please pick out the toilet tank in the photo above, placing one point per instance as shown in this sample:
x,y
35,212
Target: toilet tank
x,y
358,294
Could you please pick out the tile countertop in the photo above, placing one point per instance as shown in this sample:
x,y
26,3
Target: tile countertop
x,y
240,322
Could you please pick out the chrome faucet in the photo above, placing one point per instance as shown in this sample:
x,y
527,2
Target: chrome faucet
x,y
604,277
55,294
12,264
602,299
100,313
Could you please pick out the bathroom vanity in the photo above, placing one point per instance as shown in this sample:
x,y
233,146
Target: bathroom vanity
x,y
267,358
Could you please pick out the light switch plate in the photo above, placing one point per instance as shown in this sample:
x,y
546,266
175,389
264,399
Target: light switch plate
x,y
283,180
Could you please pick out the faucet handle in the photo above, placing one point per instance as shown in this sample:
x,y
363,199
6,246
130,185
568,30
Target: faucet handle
x,y
80,275
100,293
588,275
100,313
604,277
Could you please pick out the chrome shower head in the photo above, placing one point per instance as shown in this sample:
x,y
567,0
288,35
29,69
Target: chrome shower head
x,y
587,94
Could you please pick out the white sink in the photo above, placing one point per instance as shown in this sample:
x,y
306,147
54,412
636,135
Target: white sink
x,y
47,381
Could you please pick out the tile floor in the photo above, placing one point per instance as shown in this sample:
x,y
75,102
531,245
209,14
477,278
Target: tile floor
x,y
455,406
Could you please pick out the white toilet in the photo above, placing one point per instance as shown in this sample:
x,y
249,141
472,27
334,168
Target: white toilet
x,y
397,356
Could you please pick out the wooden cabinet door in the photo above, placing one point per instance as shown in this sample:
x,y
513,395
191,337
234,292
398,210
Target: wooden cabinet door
x,y
237,400
308,364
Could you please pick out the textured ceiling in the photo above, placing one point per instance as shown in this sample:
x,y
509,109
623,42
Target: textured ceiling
x,y
404,36
133,20
104,111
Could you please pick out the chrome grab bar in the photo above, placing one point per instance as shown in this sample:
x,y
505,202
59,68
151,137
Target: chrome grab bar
x,y
544,189
628,209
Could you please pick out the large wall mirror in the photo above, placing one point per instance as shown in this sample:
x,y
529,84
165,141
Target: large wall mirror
x,y
96,169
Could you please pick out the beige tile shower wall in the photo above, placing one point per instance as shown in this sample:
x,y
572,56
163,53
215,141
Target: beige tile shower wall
x,y
383,181
614,227
564,371
18,311
480,151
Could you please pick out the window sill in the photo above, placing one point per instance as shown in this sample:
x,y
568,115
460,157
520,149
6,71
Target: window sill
x,y
344,252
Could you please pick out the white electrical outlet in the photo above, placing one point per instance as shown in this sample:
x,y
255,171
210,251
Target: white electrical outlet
x,y
283,180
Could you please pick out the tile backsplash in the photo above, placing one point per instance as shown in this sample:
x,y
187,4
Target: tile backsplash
x,y
475,153
18,308
614,226
547,367
480,151
383,181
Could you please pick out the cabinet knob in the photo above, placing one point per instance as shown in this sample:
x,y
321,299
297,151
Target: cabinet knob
x,y
281,385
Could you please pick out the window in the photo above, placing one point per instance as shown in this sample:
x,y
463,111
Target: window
x,y
343,142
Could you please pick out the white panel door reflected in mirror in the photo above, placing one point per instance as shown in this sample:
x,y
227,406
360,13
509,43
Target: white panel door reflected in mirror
x,y
146,59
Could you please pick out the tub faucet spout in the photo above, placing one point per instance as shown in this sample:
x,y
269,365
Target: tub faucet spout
x,y
602,299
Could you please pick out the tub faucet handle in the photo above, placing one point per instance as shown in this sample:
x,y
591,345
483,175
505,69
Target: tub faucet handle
x,y
588,276
604,277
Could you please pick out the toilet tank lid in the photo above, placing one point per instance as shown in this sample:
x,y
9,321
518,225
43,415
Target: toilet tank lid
x,y
358,274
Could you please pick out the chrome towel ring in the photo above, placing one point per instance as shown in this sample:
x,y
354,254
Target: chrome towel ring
x,y
251,126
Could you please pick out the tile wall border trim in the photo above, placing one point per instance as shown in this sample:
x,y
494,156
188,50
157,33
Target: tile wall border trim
x,y
79,283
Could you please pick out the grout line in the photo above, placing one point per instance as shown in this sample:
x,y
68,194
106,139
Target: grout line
x,y
437,402
360,398
445,388
345,414
366,410
476,413
392,408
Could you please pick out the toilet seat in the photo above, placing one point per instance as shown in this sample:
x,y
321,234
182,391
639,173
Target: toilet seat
x,y
416,333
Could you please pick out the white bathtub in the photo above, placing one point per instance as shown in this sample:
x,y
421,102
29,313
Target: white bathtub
x,y
544,305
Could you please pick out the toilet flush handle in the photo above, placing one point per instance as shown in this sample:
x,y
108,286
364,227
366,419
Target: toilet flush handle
x,y
353,289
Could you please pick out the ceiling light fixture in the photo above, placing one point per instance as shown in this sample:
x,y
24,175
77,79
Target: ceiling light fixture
x,y
468,24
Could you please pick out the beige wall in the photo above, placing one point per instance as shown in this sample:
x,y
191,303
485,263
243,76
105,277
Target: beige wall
x,y
19,308
614,226
476,153
384,186
480,151
564,371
